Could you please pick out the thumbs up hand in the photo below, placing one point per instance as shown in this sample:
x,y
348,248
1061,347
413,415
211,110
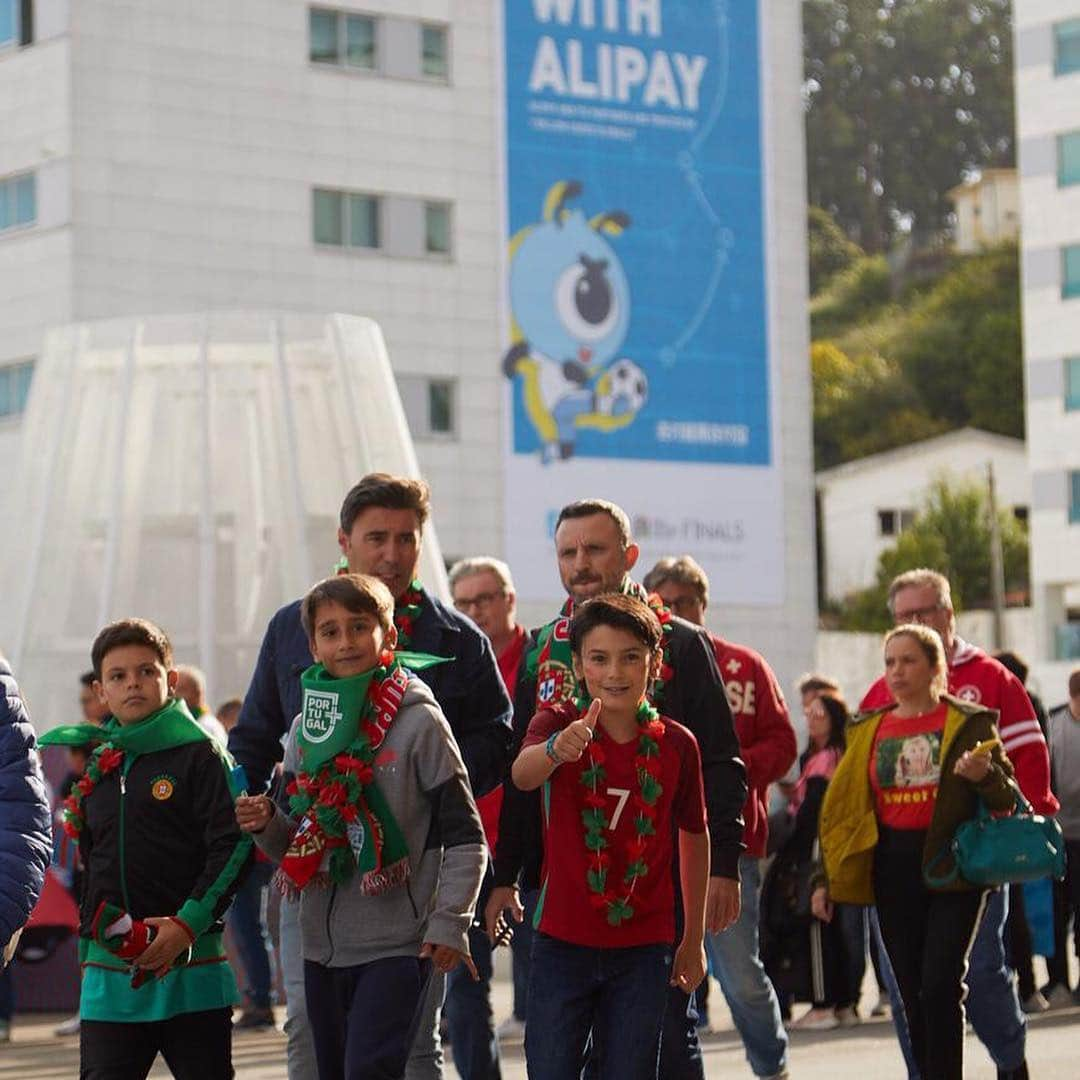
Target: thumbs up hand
x,y
575,737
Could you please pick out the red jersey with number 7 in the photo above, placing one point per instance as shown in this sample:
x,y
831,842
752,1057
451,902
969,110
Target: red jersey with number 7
x,y
566,909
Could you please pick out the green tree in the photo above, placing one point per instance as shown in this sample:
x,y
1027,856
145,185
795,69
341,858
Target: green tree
x,y
903,98
829,248
961,347
951,533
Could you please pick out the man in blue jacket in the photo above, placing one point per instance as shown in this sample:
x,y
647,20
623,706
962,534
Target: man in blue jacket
x,y
381,523
25,825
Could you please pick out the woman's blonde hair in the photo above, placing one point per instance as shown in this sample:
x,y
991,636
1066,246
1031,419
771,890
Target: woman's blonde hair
x,y
930,642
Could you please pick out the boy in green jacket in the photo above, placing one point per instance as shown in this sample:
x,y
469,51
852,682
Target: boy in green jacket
x,y
155,823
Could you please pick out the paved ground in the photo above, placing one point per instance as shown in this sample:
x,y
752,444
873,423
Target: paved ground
x,y
866,1051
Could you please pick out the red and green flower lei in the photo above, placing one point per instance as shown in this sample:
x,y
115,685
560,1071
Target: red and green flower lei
x,y
104,760
595,819
406,611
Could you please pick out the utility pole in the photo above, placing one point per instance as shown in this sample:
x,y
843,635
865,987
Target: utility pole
x,y
997,562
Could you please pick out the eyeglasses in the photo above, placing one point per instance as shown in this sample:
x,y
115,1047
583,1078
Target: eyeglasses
x,y
916,615
479,600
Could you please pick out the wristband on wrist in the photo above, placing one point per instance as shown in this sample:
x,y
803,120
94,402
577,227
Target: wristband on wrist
x,y
550,750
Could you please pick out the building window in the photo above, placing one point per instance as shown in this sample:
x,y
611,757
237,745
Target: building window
x,y
18,202
338,38
360,42
14,387
437,228
1020,513
345,219
323,36
1074,496
886,522
430,406
1067,47
1072,383
16,23
435,52
1070,271
1069,159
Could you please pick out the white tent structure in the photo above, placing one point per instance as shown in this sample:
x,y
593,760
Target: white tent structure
x,y
188,469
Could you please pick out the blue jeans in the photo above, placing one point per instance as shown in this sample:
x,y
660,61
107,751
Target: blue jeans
x,y
245,919
992,1005
619,995
733,956
467,1008
521,948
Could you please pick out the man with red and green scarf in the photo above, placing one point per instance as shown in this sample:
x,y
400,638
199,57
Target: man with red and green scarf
x,y
380,531
595,551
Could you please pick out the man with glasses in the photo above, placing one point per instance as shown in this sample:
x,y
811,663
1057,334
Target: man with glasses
x,y
923,596
483,589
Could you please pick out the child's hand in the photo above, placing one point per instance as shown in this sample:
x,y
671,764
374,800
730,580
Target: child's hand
x,y
253,812
573,738
446,959
169,942
688,969
821,905
973,767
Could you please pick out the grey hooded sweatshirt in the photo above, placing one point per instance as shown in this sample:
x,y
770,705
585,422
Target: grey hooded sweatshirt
x,y
419,770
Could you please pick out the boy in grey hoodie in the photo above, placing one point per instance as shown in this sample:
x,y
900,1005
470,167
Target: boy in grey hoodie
x,y
381,837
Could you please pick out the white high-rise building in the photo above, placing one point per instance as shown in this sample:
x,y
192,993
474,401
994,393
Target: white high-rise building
x,y
340,156
1048,137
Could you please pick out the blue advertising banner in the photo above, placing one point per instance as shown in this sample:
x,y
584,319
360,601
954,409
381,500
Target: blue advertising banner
x,y
638,315
636,271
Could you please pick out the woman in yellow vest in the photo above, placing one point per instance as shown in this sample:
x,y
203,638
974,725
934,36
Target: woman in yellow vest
x,y
909,777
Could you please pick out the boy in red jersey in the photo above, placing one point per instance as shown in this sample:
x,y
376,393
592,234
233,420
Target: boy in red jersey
x,y
619,780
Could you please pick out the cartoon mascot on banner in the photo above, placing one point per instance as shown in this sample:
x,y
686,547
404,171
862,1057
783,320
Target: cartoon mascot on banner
x,y
570,303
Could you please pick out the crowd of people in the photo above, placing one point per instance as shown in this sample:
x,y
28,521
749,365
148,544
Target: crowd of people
x,y
407,785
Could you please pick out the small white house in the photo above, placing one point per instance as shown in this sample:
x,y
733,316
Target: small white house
x,y
987,210
864,505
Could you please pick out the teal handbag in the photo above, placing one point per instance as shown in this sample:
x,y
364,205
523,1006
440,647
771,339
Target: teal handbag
x,y
988,851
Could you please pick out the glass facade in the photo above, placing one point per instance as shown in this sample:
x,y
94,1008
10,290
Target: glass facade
x,y
18,202
14,387
437,228
1069,159
435,52
1070,271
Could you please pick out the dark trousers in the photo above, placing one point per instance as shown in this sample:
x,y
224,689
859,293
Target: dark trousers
x,y
1018,943
467,1009
1066,909
249,932
616,994
928,936
195,1046
364,1018
521,947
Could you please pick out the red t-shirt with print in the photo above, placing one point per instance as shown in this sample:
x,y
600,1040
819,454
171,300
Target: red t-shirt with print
x,y
567,910
905,768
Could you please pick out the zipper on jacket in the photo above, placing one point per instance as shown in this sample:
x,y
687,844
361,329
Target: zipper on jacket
x,y
329,913
123,791
412,902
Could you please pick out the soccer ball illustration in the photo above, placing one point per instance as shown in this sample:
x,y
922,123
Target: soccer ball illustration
x,y
622,389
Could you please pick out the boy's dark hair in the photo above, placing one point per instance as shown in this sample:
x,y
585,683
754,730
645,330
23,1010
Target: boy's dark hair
x,y
588,507
228,705
87,678
620,612
822,684
389,493
358,593
1014,662
131,632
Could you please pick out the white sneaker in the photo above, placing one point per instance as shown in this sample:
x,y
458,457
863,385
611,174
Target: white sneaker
x,y
511,1029
68,1027
847,1016
816,1020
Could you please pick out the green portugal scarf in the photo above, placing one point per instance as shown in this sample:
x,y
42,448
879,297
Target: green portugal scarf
x,y
346,824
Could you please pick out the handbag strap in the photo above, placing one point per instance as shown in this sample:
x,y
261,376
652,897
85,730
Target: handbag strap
x,y
947,879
